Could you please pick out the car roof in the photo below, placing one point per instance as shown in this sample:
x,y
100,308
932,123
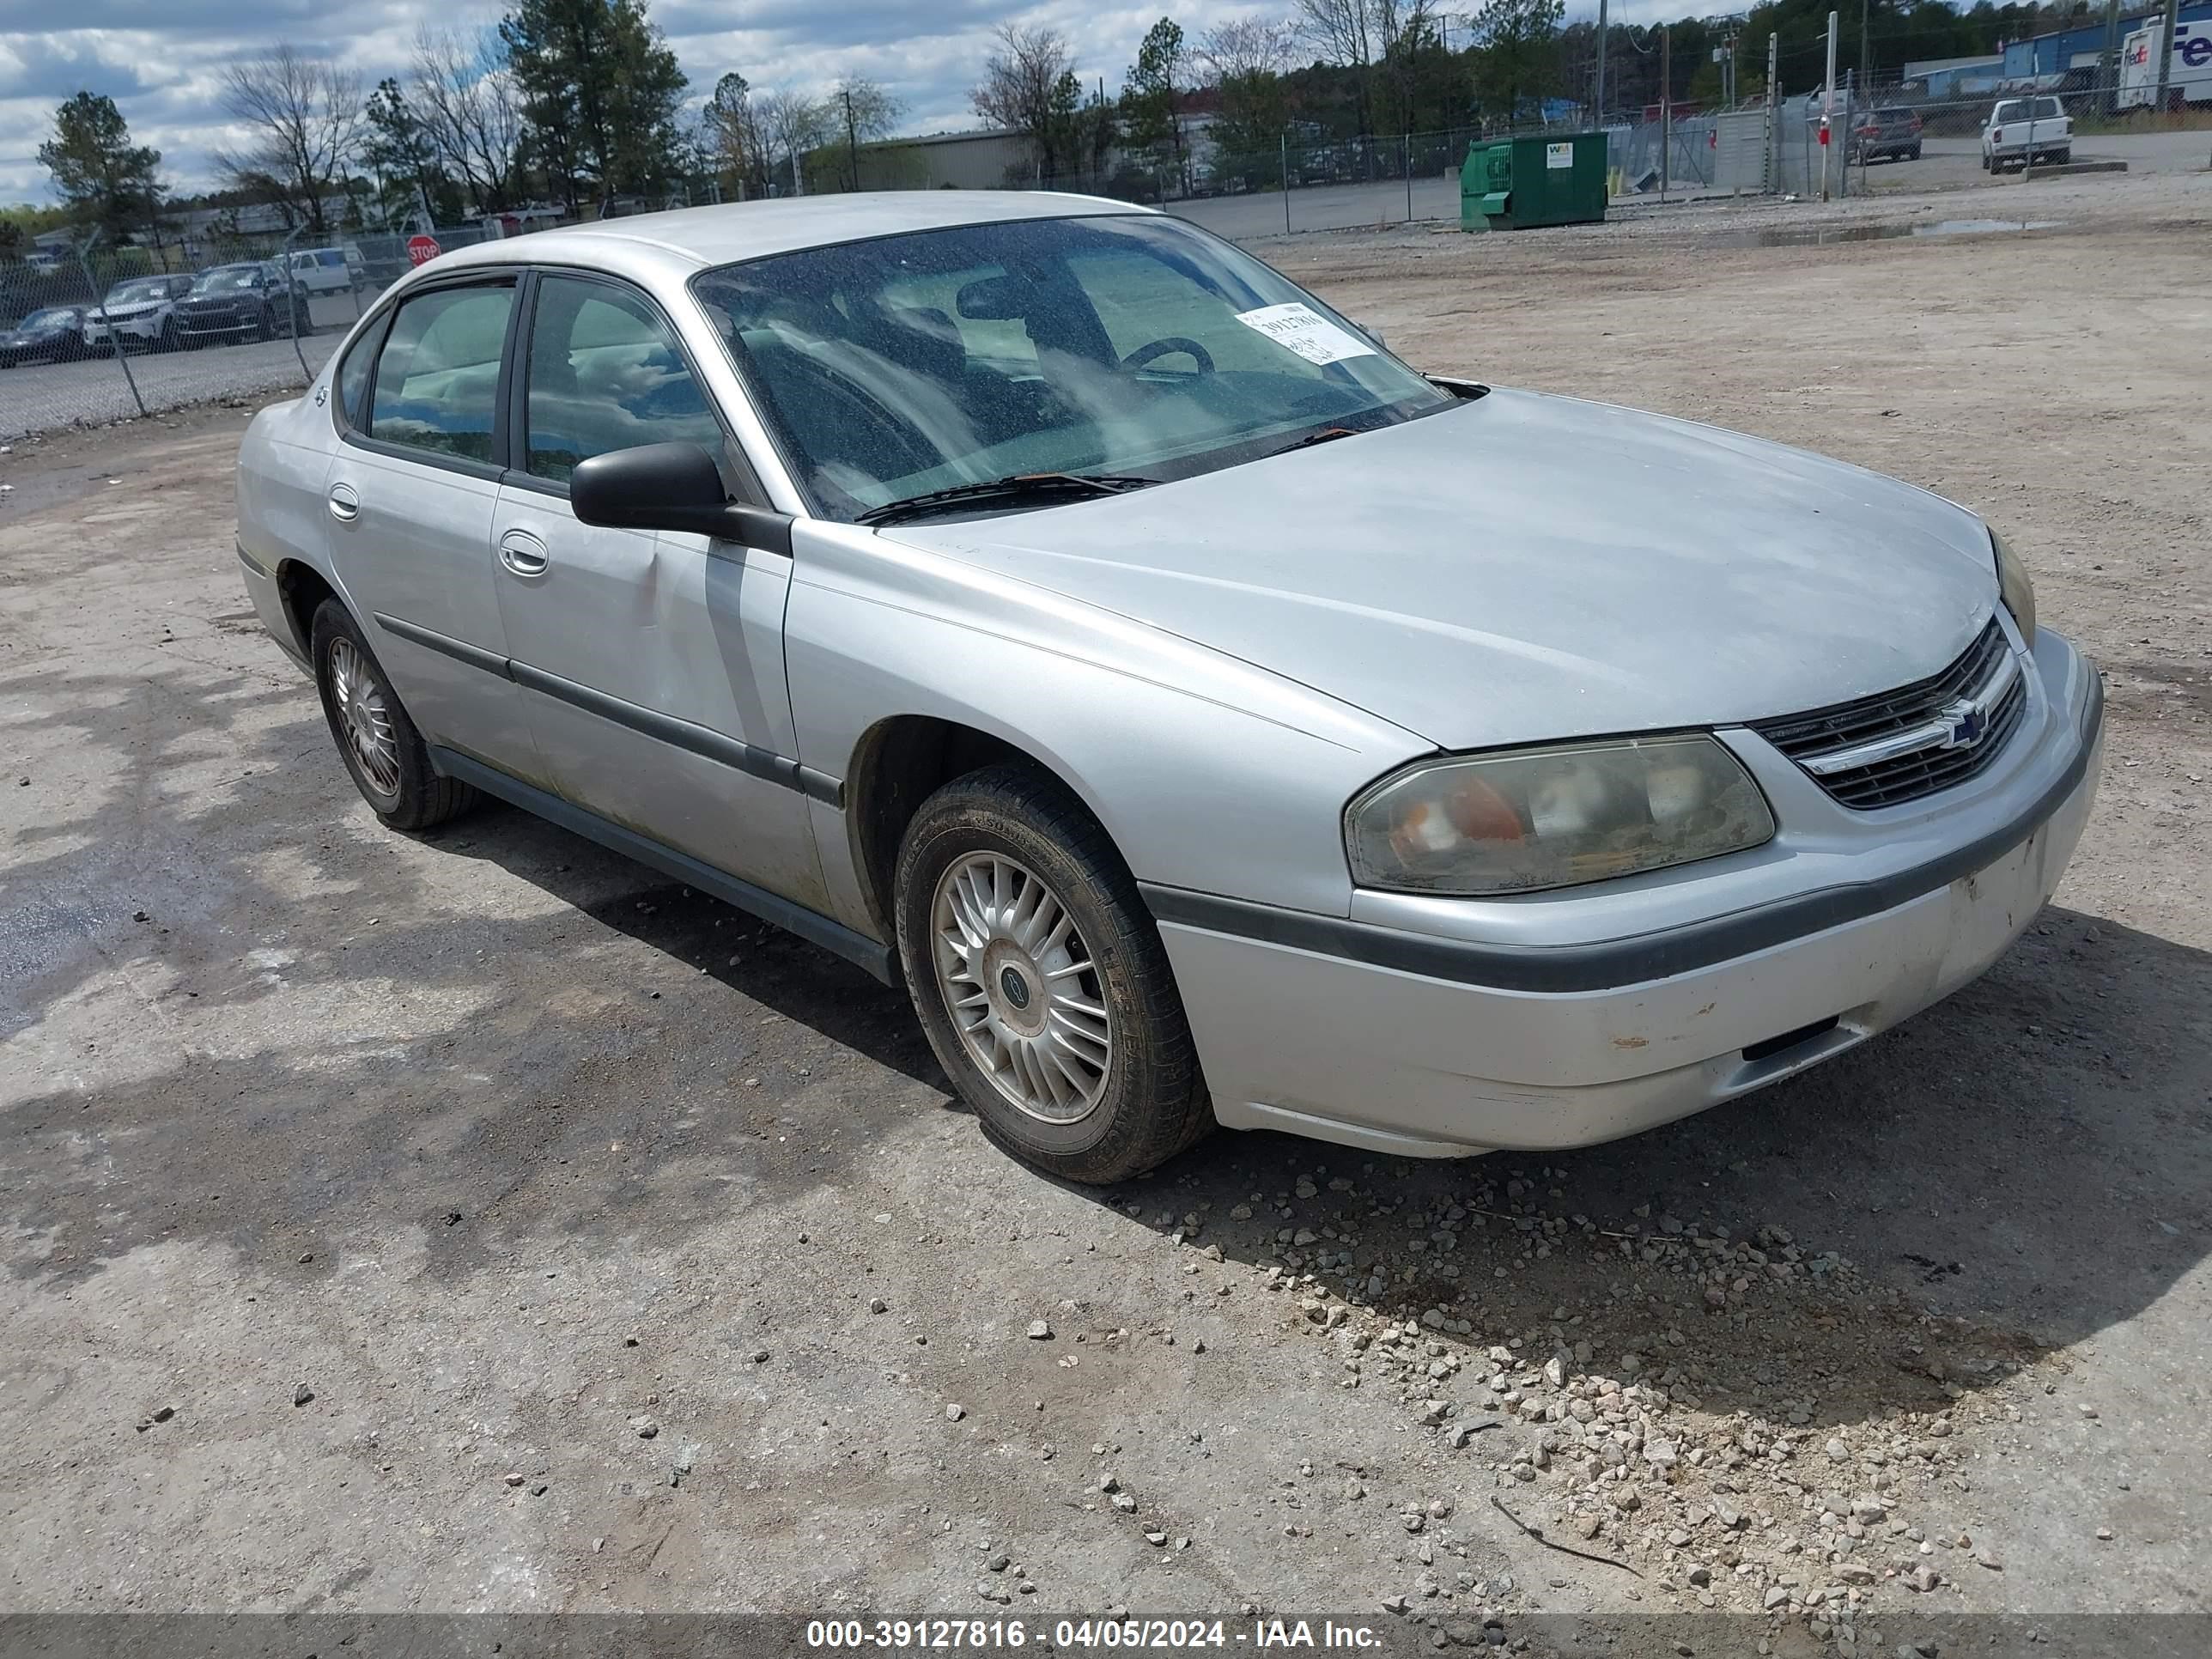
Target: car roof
x,y
691,239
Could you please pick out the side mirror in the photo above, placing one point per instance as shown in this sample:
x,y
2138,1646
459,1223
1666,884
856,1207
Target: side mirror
x,y
670,487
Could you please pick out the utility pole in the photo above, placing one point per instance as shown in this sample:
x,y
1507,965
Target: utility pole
x,y
2108,66
1774,117
1866,74
1601,62
1828,108
1666,104
2167,59
852,144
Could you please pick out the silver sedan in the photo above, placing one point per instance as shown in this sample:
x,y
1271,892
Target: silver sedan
x,y
1208,717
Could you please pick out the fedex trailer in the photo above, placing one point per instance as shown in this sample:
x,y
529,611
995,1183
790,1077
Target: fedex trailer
x,y
2189,78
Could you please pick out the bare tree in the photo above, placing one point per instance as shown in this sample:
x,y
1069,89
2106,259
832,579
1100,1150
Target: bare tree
x,y
1245,46
1029,87
308,119
731,138
1339,31
866,113
795,125
465,100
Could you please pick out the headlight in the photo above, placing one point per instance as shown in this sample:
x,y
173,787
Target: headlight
x,y
1531,818
2015,587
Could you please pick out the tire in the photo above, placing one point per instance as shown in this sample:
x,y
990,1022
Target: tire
x,y
2059,158
166,340
417,796
1912,155
1082,1120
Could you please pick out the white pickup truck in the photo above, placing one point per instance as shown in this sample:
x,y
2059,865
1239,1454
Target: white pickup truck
x,y
2022,131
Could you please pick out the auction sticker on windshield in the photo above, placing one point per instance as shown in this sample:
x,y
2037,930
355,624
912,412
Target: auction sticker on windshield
x,y
1302,329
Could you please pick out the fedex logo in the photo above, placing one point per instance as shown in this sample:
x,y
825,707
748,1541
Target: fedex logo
x,y
2195,51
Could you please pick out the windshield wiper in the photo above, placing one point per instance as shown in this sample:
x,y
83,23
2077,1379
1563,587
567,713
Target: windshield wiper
x,y
1036,488
1335,429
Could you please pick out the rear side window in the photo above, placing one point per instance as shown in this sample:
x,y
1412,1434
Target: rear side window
x,y
437,377
605,374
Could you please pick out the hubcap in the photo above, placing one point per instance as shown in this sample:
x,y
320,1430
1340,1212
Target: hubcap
x,y
364,718
1022,987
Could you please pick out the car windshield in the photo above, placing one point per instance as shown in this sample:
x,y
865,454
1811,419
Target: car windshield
x,y
138,292
226,279
51,316
1123,345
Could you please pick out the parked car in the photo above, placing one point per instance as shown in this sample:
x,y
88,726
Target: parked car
x,y
2022,131
138,311
1208,716
250,300
328,270
1889,133
53,334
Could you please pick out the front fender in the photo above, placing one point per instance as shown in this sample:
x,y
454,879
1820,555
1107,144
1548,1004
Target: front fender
x,y
1208,773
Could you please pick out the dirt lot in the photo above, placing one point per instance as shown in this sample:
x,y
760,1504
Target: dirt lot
x,y
369,1199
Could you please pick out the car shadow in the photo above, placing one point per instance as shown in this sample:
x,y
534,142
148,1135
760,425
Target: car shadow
x,y
328,1029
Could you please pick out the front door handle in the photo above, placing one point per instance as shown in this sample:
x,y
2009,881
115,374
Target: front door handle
x,y
522,553
345,503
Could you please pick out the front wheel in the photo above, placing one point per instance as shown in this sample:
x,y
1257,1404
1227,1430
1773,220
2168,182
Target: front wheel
x,y
378,743
1041,980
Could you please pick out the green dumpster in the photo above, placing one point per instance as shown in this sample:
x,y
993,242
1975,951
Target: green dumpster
x,y
1515,184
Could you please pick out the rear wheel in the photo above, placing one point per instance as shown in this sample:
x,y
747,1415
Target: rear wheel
x,y
1041,980
381,747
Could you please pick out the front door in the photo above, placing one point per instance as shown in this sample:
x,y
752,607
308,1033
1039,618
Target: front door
x,y
409,497
652,664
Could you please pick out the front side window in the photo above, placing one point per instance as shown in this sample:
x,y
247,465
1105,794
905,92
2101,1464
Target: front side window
x,y
1129,345
605,374
437,377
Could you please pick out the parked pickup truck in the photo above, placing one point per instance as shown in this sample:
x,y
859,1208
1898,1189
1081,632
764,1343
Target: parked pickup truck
x,y
2021,131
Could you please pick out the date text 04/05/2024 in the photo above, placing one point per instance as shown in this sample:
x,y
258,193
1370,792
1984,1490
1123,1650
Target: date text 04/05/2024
x,y
1157,1635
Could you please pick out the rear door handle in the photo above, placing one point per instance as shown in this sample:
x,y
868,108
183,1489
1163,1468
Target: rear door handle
x,y
345,503
522,553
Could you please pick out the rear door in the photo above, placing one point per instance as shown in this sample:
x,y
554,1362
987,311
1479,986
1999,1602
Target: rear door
x,y
409,497
652,662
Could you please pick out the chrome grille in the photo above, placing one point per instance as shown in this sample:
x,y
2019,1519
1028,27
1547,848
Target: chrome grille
x,y
1902,745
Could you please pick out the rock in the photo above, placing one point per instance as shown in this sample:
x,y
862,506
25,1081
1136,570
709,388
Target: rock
x,y
876,1304
1923,1579
954,1412
999,1593
1660,1454
514,1477
1995,1563
163,1413
1555,1370
1777,1597
1626,1498
1868,1509
1701,1576
302,1394
1433,1413
1125,1502
1156,1538
1040,1331
1397,1604
1838,1452
645,1427
999,1563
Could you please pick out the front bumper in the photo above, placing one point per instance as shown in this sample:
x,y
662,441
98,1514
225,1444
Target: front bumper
x,y
1401,1053
136,331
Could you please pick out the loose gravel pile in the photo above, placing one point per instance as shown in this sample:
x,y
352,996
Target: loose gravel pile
x,y
1741,1423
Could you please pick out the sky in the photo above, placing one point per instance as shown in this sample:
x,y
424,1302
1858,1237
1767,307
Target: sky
x,y
162,60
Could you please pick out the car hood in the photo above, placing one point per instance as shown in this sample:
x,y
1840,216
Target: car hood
x,y
125,314
1523,566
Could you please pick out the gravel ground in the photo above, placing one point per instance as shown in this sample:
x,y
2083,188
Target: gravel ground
x,y
51,397
484,1223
